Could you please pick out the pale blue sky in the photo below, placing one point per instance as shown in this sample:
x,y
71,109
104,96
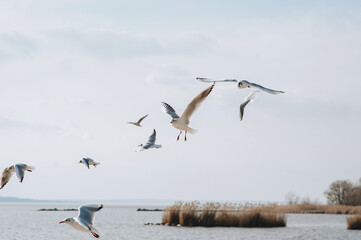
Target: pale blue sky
x,y
72,73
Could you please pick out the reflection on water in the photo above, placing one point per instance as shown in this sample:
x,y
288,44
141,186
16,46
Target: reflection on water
x,y
23,222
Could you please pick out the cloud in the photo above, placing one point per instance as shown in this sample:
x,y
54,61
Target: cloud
x,y
6,123
15,45
117,45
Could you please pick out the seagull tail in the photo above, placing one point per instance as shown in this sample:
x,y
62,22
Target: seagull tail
x,y
31,168
191,130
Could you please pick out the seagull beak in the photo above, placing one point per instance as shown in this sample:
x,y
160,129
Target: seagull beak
x,y
62,222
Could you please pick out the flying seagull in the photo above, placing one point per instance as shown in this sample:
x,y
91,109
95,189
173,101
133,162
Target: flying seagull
x,y
150,143
242,84
248,99
85,219
138,122
19,168
182,122
88,161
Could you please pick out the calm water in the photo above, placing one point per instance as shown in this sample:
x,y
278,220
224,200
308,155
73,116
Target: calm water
x,y
24,222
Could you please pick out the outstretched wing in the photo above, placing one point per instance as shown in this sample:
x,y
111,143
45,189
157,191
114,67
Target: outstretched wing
x,y
169,110
141,119
20,169
86,214
86,162
248,99
271,91
208,80
151,139
5,177
195,103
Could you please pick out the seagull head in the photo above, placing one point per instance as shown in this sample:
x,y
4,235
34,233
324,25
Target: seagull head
x,y
68,220
240,84
81,161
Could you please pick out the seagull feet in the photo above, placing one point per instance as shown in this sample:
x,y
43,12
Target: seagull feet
x,y
95,235
179,135
185,136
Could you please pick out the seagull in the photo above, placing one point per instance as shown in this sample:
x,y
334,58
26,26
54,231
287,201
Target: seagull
x,y
85,219
248,99
182,122
88,161
138,122
19,168
150,143
242,84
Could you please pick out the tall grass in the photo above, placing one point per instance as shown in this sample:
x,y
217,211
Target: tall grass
x,y
171,214
354,222
322,209
188,215
226,215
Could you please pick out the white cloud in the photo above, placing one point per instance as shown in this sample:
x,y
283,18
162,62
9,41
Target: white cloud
x,y
114,45
16,45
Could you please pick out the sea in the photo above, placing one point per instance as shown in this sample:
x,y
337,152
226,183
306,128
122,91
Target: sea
x,y
25,222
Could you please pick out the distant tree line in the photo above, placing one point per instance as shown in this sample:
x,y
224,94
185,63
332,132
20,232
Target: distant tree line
x,y
292,199
340,192
344,192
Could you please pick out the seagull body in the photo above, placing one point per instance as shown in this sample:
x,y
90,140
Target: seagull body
x,y
243,84
150,143
181,123
248,99
19,168
88,161
138,122
85,219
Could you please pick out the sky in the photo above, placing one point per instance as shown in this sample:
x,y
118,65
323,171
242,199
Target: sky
x,y
73,73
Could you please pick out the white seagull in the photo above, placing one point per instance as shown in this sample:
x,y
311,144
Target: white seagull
x,y
242,84
248,99
182,122
138,122
85,219
88,161
19,168
150,143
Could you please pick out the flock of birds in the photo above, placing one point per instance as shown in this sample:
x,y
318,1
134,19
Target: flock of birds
x,y
85,219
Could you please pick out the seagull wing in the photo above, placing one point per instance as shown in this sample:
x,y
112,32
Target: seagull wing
x,y
141,119
195,103
151,139
262,88
20,169
169,110
86,162
248,99
86,214
150,142
208,80
5,177
241,108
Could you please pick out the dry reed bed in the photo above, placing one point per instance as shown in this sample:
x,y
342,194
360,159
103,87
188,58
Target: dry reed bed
x,y
354,222
321,209
226,215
